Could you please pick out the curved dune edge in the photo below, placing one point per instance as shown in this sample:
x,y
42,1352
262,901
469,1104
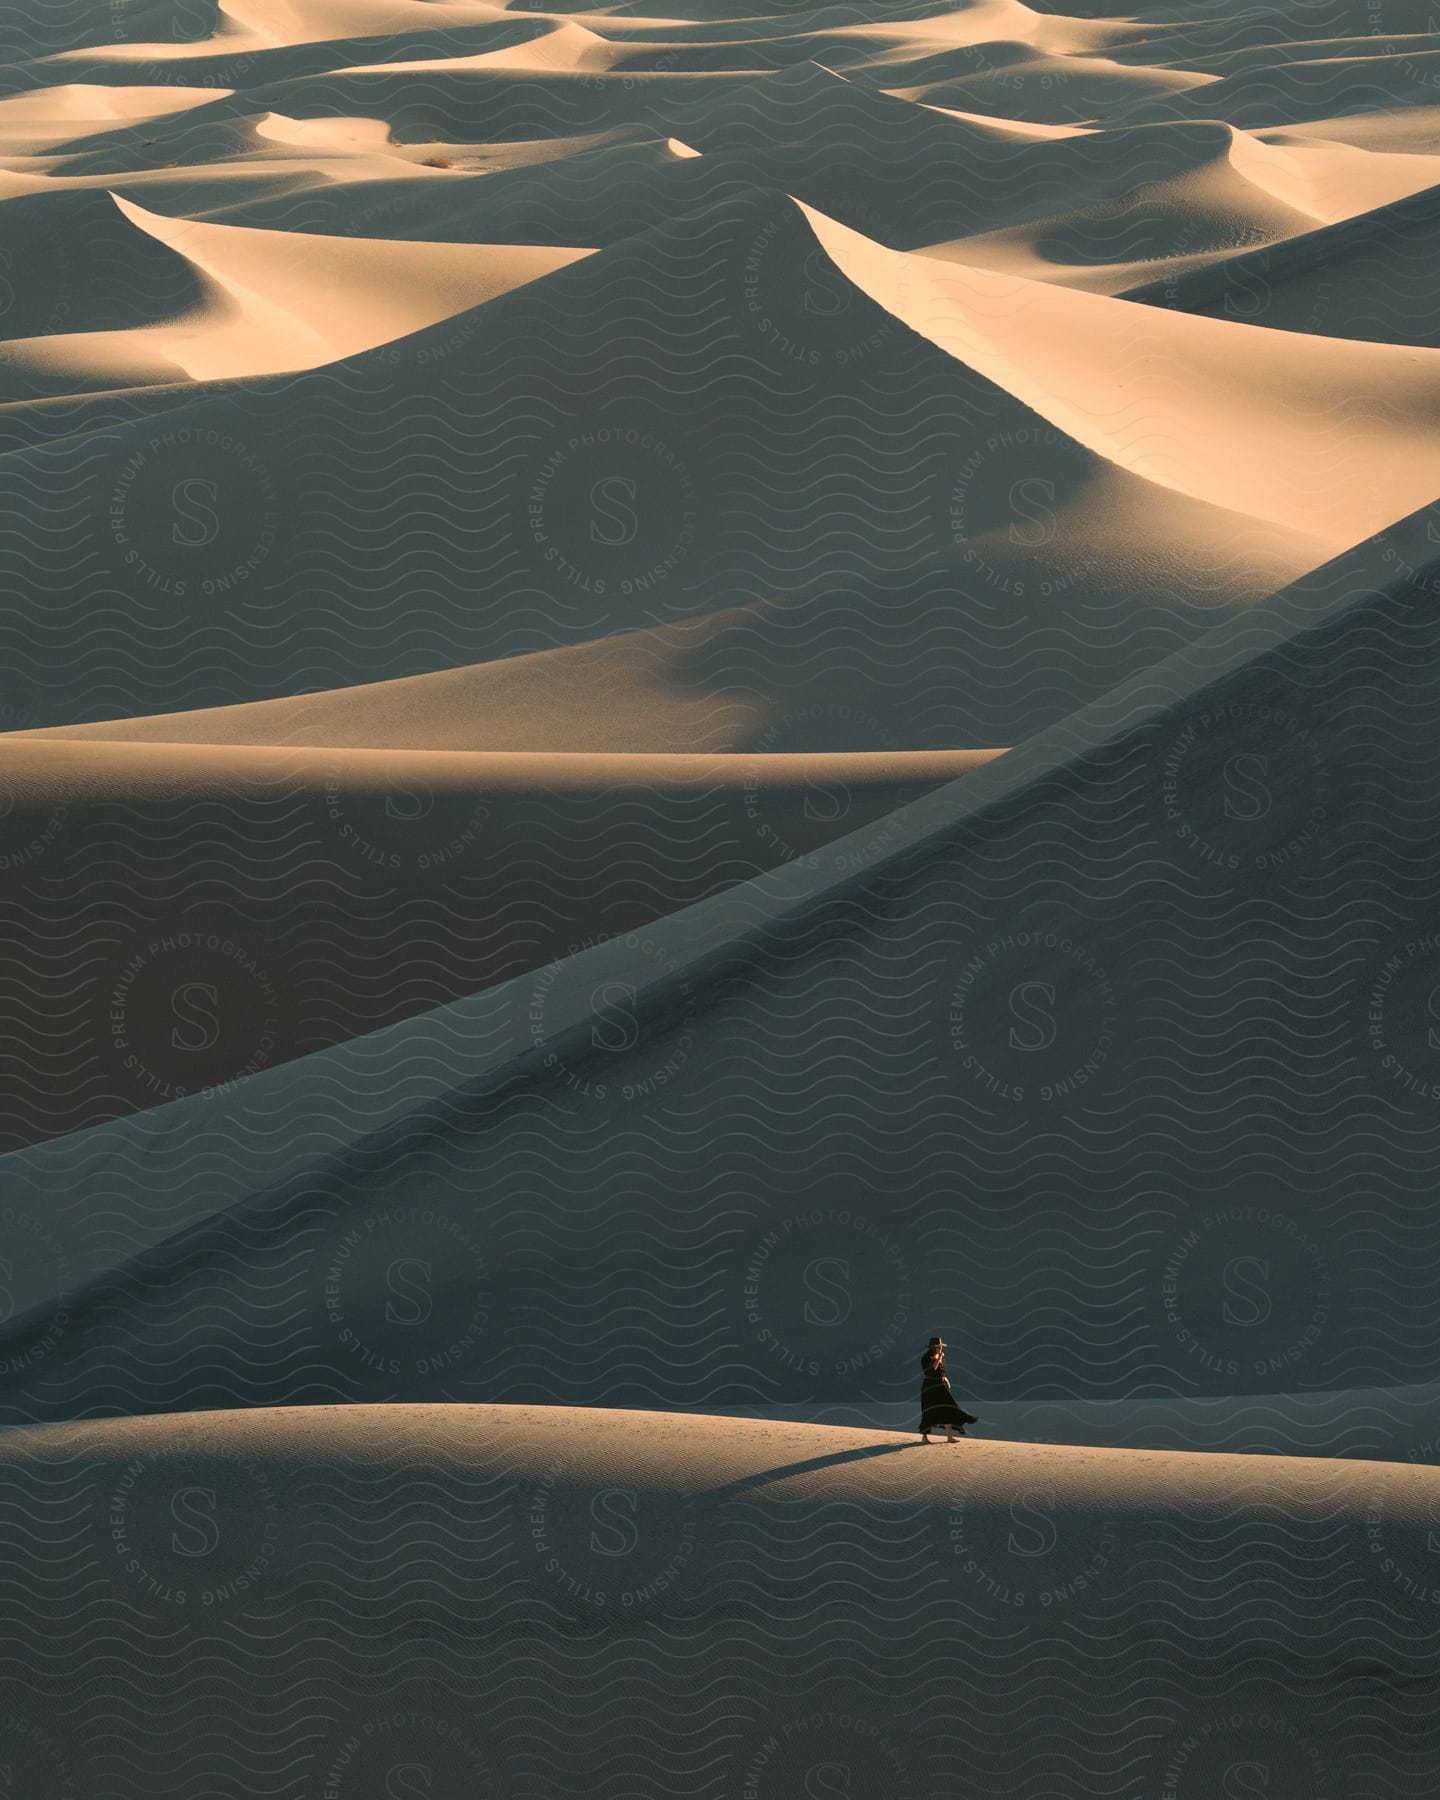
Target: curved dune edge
x,y
1288,429
41,772
1008,20
280,301
670,688
722,1457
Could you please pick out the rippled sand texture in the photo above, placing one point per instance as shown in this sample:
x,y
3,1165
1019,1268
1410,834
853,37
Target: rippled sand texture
x,y
685,698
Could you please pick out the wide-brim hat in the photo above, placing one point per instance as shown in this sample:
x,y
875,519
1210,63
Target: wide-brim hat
x,y
941,1342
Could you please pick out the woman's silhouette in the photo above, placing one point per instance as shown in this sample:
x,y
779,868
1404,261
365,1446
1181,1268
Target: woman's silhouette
x,y
937,1403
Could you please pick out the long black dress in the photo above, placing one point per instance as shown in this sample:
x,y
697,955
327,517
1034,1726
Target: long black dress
x,y
937,1403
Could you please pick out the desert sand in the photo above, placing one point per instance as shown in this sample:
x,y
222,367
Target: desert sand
x,y
727,1605
687,696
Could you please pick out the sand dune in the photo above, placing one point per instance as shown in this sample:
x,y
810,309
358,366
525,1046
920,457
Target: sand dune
x,y
281,301
861,996
347,889
551,506
563,46
1274,188
1307,421
341,451
1365,278
744,1603
40,773
531,984
35,124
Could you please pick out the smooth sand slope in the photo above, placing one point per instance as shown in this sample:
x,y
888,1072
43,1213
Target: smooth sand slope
x,y
893,1072
328,892
348,1596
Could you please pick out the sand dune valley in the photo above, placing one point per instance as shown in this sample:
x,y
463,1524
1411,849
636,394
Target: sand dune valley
x,y
689,696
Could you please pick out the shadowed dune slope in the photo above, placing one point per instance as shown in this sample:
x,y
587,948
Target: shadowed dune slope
x,y
1364,278
691,1115
288,899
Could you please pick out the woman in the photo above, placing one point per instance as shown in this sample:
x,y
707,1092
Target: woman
x,y
937,1403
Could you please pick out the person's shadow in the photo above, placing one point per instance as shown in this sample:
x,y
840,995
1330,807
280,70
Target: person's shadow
x,y
766,1476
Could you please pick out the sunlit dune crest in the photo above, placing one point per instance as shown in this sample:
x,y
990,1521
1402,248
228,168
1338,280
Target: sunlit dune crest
x,y
565,47
1303,422
65,771
285,300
